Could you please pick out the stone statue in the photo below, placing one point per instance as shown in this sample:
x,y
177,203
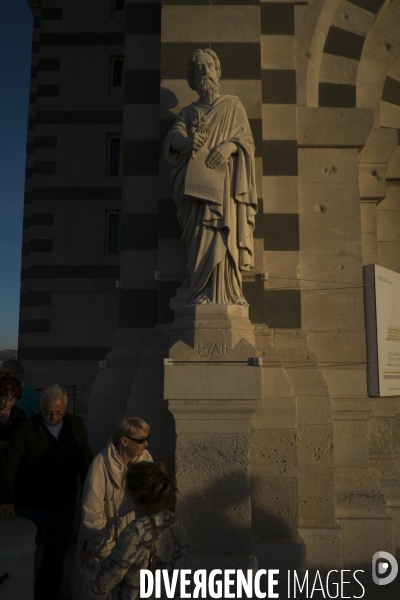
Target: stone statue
x,y
211,150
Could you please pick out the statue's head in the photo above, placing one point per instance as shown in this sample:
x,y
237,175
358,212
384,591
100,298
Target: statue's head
x,y
203,72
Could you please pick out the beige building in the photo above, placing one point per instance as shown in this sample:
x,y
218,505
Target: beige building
x,y
320,82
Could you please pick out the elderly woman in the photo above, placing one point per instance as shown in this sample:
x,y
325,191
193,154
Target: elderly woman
x,y
106,508
10,415
156,539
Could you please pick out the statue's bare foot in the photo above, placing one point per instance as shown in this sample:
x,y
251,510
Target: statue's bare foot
x,y
201,300
242,303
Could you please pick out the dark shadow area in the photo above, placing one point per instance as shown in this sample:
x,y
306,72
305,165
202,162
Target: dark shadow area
x,y
227,494
169,230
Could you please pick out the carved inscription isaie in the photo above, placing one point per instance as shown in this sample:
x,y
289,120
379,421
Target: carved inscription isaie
x,y
213,350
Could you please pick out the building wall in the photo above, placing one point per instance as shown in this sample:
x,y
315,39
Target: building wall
x,y
69,301
320,82
332,56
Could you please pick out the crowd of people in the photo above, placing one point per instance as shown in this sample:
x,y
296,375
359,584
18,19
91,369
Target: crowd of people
x,y
128,521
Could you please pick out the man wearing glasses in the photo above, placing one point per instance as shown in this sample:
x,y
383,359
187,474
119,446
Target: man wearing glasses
x,y
106,509
29,402
39,478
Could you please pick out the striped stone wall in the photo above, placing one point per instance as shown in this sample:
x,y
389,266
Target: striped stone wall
x,y
69,302
282,306
139,238
342,52
72,114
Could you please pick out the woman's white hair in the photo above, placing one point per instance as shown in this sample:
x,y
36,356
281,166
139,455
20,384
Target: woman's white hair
x,y
129,427
52,393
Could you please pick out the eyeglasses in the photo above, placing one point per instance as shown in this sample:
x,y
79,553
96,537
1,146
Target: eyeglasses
x,y
60,413
141,441
7,399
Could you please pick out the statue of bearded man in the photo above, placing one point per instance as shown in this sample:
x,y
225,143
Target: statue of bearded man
x,y
217,224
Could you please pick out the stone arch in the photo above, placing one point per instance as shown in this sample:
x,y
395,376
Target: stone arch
x,y
390,100
388,211
342,52
390,117
345,44
352,49
348,45
382,45
314,28
331,43
378,88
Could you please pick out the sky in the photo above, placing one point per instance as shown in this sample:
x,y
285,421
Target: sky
x,y
15,51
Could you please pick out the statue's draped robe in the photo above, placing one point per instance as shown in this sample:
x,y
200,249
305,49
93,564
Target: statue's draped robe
x,y
219,236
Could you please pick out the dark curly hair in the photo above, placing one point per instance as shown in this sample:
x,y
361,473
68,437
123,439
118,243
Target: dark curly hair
x,y
150,483
10,385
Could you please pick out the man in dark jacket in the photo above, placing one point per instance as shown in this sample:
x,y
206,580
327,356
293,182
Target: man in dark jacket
x,y
38,480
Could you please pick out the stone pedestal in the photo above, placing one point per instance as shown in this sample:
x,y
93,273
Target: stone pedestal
x,y
213,390
212,331
17,549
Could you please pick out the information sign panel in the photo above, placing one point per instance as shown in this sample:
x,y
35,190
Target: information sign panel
x,y
382,317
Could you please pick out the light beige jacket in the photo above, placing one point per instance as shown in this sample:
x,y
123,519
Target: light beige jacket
x,y
106,510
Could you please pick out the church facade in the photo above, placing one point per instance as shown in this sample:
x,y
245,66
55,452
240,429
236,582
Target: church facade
x,y
102,254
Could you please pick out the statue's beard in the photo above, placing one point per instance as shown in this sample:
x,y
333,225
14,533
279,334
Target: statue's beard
x,y
208,89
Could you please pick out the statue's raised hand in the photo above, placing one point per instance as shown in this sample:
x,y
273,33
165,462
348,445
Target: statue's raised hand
x,y
194,141
197,140
220,154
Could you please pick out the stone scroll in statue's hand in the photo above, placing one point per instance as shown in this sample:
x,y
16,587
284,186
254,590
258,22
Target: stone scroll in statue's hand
x,y
202,182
